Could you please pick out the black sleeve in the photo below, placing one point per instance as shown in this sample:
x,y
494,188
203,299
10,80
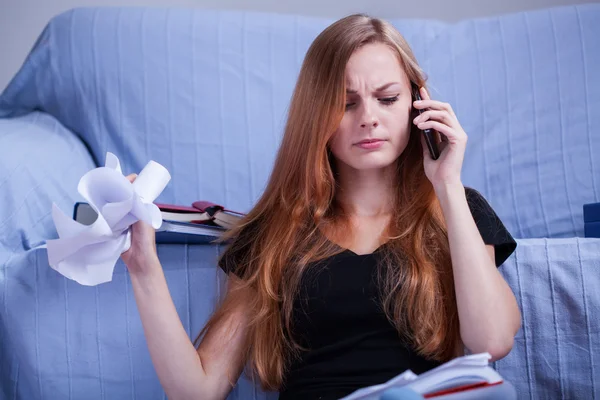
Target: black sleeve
x,y
490,226
234,258
228,262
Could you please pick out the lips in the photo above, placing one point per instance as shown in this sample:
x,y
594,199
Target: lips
x,y
370,144
367,141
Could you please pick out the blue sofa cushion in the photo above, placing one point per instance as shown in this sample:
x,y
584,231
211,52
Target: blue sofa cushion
x,y
40,163
205,91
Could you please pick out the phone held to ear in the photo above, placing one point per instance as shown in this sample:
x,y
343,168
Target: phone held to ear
x,y
428,133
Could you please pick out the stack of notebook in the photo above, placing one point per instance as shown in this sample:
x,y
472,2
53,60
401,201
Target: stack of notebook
x,y
591,220
203,222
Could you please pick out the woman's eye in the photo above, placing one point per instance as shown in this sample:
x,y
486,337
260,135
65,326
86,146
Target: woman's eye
x,y
385,101
389,100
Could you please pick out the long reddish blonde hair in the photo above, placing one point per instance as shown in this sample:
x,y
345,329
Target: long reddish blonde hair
x,y
284,232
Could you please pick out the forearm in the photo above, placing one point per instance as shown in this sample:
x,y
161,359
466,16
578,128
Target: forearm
x,y
487,309
175,359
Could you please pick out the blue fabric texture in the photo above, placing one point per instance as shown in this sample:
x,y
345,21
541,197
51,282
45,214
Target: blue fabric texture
x,y
205,93
208,91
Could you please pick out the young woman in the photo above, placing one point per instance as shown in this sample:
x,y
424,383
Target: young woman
x,y
364,257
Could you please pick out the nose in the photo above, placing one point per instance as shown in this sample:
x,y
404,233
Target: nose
x,y
368,119
372,123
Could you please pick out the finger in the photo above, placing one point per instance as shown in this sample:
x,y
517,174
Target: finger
x,y
443,129
436,115
434,105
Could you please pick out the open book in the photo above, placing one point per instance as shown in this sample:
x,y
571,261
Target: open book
x,y
200,212
458,375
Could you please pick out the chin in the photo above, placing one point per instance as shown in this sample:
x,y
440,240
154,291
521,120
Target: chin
x,y
372,164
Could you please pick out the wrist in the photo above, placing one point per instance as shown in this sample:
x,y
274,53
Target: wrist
x,y
448,187
144,266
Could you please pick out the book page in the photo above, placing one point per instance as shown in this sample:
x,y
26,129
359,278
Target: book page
x,y
458,372
373,392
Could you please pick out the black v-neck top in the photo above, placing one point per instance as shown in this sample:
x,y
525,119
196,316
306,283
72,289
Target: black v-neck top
x,y
338,317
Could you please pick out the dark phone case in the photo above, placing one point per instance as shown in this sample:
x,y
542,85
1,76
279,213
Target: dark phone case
x,y
428,133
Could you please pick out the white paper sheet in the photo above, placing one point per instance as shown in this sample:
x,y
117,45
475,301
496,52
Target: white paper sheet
x,y
88,253
374,392
471,369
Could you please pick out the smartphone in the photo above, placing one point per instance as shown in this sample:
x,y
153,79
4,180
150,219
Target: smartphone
x,y
429,134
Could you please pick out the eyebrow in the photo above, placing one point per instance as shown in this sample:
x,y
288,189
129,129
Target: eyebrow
x,y
379,89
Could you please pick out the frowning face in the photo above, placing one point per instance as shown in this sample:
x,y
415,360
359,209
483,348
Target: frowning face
x,y
376,125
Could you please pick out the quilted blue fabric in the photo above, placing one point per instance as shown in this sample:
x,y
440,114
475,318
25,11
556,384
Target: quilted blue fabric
x,y
61,340
557,352
205,93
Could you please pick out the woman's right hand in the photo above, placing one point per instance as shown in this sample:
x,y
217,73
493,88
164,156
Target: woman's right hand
x,y
141,255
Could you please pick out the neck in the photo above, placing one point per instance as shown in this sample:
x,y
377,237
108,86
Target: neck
x,y
366,193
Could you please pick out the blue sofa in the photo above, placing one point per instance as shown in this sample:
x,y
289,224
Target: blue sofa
x,y
205,93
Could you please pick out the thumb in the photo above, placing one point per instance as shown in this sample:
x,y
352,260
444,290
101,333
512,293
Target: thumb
x,y
131,177
424,93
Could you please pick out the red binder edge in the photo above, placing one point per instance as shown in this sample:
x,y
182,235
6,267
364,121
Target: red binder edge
x,y
461,389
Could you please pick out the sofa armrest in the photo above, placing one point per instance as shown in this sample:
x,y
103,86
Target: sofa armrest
x,y
557,285
41,162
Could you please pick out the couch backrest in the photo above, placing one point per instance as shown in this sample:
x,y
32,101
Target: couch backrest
x,y
205,93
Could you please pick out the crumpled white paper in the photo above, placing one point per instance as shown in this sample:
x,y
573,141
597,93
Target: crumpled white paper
x,y
88,254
